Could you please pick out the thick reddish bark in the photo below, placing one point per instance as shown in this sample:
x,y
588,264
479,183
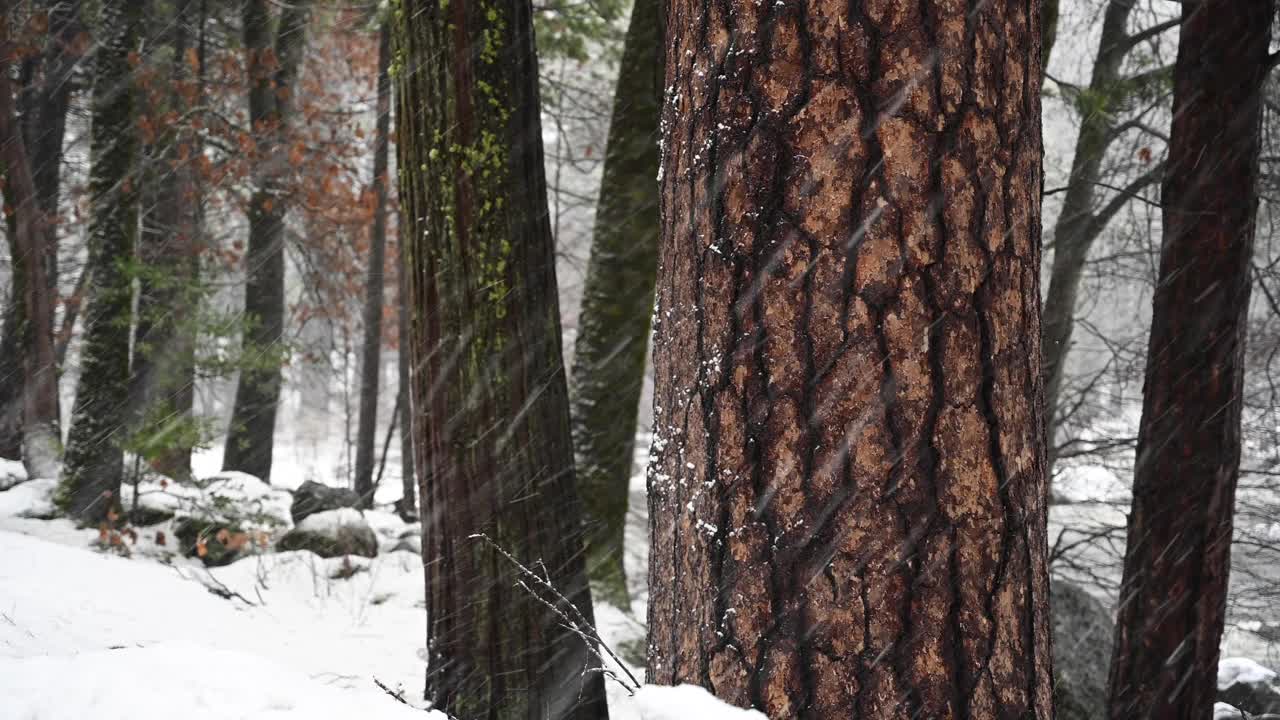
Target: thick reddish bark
x,y
1173,597
847,495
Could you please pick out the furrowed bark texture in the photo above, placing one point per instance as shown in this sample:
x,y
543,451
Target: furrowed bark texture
x,y
371,358
1174,592
272,73
617,304
35,375
94,462
847,493
490,401
163,383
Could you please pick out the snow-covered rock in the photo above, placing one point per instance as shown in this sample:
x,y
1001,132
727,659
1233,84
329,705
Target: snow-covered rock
x,y
1223,711
332,533
11,473
313,497
231,498
1248,686
32,499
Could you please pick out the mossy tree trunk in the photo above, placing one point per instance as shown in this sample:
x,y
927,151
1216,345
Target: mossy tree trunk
x,y
490,400
93,465
273,69
617,303
375,282
43,103
36,378
847,494
163,383
1173,595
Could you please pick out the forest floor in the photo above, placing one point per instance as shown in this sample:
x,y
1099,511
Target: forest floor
x,y
88,633
85,632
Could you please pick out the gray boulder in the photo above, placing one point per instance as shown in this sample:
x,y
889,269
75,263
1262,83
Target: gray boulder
x,y
333,533
312,497
1082,633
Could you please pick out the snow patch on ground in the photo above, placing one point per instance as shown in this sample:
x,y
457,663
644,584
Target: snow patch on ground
x,y
87,633
190,681
681,702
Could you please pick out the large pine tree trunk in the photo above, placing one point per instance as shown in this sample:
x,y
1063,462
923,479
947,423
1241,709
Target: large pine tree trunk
x,y
375,280
272,75
617,303
847,493
94,462
494,454
1173,596
163,382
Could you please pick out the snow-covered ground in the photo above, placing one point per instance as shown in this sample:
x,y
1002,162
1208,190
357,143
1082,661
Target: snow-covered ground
x,y
88,633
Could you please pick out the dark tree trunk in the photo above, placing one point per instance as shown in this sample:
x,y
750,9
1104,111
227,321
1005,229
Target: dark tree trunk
x,y
1080,222
1174,593
92,470
847,495
408,508
43,105
617,303
272,73
494,454
375,279
163,382
11,372
33,316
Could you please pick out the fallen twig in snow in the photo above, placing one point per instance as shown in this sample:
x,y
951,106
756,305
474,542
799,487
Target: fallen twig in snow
x,y
217,587
397,695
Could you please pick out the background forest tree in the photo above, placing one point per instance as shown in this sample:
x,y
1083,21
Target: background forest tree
x,y
211,278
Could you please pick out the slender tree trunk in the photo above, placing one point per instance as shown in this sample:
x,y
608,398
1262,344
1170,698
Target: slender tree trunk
x,y
375,280
39,383
847,493
617,303
90,484
163,382
408,508
1174,593
272,73
1080,222
494,453
12,354
44,106
1048,31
